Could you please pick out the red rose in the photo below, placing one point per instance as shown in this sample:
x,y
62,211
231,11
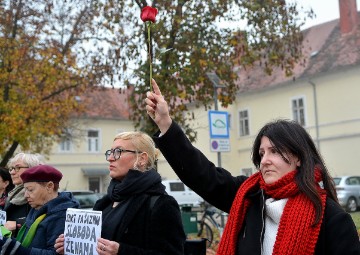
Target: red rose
x,y
148,13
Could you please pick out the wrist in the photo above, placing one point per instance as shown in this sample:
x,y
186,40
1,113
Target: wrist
x,y
164,124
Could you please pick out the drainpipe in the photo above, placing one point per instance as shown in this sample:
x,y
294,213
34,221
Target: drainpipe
x,y
316,114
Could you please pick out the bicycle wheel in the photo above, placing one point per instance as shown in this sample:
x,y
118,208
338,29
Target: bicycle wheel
x,y
205,232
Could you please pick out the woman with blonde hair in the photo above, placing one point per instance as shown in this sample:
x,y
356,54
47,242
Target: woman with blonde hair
x,y
138,216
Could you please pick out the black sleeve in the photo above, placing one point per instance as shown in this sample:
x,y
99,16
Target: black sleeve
x,y
338,234
215,185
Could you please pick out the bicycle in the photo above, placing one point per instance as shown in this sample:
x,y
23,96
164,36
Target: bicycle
x,y
209,217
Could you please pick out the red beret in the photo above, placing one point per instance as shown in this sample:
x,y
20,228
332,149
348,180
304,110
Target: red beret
x,y
41,173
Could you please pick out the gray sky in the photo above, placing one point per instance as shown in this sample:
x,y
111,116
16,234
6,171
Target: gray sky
x,y
325,10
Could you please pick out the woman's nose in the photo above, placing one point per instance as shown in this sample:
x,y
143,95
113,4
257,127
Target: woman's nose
x,y
264,159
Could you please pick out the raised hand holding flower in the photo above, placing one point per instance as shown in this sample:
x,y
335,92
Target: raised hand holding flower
x,y
148,15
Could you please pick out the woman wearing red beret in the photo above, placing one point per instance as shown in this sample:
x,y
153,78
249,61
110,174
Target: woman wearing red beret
x,y
46,219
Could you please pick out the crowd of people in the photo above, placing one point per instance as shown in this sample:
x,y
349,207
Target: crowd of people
x,y
282,209
139,217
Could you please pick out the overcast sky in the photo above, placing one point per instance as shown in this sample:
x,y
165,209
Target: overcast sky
x,y
325,10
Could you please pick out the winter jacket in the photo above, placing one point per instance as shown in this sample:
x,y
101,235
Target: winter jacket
x,y
14,212
48,229
17,212
338,235
143,228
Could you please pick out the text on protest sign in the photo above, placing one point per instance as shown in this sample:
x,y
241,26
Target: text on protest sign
x,y
82,229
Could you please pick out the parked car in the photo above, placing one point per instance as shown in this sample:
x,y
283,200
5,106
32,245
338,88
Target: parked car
x,y
182,194
100,195
348,192
86,198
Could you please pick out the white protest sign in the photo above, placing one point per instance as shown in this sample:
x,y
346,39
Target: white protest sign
x,y
2,217
2,221
82,229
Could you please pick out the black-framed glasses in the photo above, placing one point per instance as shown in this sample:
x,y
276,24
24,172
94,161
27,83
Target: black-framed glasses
x,y
117,153
17,168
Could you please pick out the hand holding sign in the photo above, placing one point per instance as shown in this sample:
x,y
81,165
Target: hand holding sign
x,y
82,230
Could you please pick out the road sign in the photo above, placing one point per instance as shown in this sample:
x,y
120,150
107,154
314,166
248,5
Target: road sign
x,y
219,145
218,123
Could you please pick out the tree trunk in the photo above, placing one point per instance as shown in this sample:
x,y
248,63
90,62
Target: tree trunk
x,y
9,154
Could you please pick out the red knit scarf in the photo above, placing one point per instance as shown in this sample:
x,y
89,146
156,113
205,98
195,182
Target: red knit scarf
x,y
296,235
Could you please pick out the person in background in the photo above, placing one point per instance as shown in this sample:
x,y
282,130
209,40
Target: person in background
x,y
6,185
46,219
281,209
16,206
138,216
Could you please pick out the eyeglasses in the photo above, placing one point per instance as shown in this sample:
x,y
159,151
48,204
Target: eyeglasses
x,y
117,153
17,168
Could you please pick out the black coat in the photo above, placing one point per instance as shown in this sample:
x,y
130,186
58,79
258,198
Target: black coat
x,y
145,229
14,212
17,213
338,235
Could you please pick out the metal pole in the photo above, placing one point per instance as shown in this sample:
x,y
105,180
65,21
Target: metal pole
x,y
316,115
216,84
216,109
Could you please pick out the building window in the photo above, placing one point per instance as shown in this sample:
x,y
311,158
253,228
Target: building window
x,y
94,184
65,144
93,141
244,123
298,109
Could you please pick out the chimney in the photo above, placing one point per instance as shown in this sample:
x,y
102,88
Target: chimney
x,y
348,16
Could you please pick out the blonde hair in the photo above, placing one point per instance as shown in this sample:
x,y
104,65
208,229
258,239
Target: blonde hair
x,y
142,143
28,158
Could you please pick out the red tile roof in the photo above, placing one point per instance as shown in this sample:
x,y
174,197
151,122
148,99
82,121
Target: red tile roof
x,y
325,50
106,103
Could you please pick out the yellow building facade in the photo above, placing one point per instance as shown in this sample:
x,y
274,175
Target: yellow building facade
x,y
331,109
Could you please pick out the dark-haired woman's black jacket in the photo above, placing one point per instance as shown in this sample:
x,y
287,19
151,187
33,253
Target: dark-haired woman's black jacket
x,y
147,229
338,235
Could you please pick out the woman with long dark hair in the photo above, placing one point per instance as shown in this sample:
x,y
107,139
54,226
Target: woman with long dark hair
x,y
282,209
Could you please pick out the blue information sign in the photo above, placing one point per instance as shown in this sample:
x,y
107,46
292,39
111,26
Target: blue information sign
x,y
219,124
